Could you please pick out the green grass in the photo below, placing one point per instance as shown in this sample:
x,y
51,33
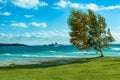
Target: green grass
x,y
78,69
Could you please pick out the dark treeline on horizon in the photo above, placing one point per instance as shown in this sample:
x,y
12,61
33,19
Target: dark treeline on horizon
x,y
12,44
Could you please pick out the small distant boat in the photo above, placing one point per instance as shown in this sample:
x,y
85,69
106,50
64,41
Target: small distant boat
x,y
55,45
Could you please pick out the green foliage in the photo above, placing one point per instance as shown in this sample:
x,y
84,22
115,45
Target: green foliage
x,y
12,64
88,30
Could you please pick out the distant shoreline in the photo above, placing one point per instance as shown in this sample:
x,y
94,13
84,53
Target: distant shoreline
x,y
32,62
12,44
20,44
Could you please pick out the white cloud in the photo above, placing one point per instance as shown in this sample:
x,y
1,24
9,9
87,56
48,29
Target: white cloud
x,y
43,4
45,37
92,6
5,13
25,35
76,5
62,3
42,37
23,25
28,4
41,25
5,35
117,37
28,16
110,7
42,34
116,33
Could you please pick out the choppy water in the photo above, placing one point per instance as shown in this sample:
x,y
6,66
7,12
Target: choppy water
x,y
47,52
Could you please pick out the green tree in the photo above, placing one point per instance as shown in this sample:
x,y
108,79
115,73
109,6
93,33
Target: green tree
x,y
88,30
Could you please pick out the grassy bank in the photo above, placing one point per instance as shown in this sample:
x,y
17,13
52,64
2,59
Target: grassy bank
x,y
76,69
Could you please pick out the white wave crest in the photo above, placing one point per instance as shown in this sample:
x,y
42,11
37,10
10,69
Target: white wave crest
x,y
78,52
7,54
89,53
53,56
84,52
51,51
27,55
115,48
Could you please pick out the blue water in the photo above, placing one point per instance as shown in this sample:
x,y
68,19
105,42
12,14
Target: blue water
x,y
47,52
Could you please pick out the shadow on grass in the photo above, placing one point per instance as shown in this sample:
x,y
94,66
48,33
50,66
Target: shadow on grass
x,y
47,64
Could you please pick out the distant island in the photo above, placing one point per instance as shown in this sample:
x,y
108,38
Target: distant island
x,y
12,44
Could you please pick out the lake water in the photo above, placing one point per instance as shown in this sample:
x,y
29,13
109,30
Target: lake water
x,y
47,52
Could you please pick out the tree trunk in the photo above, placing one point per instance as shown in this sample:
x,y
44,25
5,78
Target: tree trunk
x,y
101,53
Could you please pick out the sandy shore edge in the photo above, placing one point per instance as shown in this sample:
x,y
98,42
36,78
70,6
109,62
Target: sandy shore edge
x,y
38,61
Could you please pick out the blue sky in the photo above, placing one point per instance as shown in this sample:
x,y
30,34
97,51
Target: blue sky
x,y
38,22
